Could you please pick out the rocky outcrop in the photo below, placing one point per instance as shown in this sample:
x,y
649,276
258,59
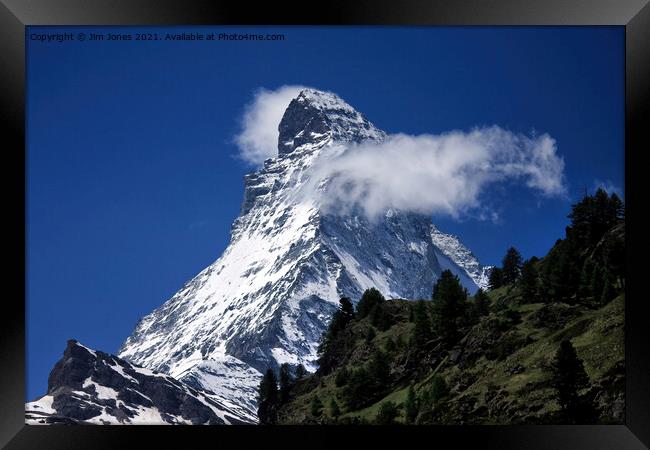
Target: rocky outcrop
x,y
88,386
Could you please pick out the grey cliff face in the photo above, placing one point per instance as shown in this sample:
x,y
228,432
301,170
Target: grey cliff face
x,y
314,114
87,386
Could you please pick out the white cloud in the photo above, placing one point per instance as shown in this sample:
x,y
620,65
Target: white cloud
x,y
445,174
441,174
258,139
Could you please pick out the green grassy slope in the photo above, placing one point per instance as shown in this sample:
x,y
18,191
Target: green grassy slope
x,y
497,374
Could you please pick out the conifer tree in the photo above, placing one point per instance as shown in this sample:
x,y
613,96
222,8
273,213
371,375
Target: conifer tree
x,y
422,331
586,281
316,406
300,371
286,382
439,388
370,335
431,396
511,266
410,406
347,310
358,389
379,369
449,300
496,278
268,399
597,282
593,216
335,411
342,377
561,272
568,378
529,283
390,346
481,305
608,292
330,340
369,300
387,413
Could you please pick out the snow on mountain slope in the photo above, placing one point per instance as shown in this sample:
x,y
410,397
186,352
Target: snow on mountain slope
x,y
269,297
88,386
220,378
451,249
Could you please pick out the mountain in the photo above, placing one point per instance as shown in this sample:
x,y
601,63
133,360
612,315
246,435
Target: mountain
x,y
88,386
269,297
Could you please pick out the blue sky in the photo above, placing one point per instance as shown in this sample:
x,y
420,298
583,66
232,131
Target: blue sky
x,y
132,175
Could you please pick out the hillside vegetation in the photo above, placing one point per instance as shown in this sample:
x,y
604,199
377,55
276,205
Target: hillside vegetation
x,y
544,345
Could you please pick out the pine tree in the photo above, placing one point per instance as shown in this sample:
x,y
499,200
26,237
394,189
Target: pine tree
x,y
370,335
568,378
390,346
410,406
511,266
358,390
286,381
439,388
593,216
449,300
422,331
300,372
379,370
335,411
268,399
316,406
370,299
613,257
597,282
432,395
380,318
341,317
496,278
608,292
330,340
347,309
560,275
342,377
387,414
529,283
481,305
586,281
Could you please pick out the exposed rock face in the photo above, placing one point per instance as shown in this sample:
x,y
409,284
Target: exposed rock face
x,y
314,114
450,247
269,297
88,386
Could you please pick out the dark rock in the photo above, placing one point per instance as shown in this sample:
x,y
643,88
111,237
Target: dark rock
x,y
88,385
516,369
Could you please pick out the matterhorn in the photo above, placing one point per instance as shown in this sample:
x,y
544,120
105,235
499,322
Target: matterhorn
x,y
268,298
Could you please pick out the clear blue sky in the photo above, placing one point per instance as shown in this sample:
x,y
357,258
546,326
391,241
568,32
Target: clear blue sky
x,y
132,183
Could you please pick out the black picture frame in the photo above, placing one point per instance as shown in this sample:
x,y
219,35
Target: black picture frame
x,y
634,15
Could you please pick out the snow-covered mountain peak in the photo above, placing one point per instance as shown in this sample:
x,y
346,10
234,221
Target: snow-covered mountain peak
x,y
318,115
323,100
268,298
